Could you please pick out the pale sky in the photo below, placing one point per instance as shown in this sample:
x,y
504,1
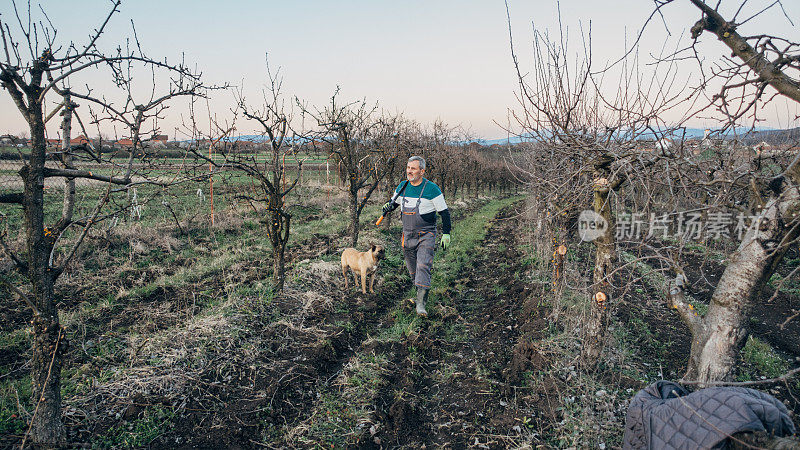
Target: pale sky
x,y
429,59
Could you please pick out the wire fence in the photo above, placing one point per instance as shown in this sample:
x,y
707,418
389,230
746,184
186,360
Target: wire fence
x,y
11,179
9,176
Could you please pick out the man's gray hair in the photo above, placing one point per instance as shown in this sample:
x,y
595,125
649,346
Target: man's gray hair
x,y
420,159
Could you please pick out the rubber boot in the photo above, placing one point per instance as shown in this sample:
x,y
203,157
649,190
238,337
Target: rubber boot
x,y
422,297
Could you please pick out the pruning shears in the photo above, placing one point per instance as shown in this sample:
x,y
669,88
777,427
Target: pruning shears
x,y
394,197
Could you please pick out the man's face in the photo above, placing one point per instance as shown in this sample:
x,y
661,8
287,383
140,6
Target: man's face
x,y
413,172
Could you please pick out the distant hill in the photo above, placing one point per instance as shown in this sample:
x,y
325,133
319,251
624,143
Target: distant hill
x,y
259,138
769,135
773,137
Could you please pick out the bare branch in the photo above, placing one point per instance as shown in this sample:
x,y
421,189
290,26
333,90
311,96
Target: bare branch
x,y
783,378
726,32
87,225
678,301
14,197
21,294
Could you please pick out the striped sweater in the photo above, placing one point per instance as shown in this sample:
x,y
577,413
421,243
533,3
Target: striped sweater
x,y
431,203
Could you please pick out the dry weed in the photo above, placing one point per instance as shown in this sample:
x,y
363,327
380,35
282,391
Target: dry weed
x,y
328,196
314,301
345,411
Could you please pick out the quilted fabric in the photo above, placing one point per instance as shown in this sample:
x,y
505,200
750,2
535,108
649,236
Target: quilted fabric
x,y
665,416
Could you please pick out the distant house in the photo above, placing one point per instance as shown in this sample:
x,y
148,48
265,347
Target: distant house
x,y
8,140
80,140
123,143
664,144
760,147
157,141
707,141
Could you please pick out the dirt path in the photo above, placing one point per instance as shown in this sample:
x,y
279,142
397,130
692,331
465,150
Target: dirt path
x,y
451,378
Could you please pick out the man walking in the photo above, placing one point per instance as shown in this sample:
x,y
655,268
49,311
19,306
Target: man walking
x,y
419,200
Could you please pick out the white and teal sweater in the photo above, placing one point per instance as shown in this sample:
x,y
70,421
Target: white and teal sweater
x,y
432,202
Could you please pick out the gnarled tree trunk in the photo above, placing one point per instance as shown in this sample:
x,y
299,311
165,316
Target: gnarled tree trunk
x,y
45,427
605,254
354,217
718,336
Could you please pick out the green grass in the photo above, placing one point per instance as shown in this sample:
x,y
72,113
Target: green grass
x,y
789,286
13,389
13,415
341,407
15,341
468,234
139,433
106,349
633,338
447,371
456,332
213,253
334,423
404,325
760,360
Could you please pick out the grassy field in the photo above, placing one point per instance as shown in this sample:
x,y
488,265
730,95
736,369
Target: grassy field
x,y
173,328
208,274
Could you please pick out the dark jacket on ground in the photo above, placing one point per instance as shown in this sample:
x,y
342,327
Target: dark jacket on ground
x,y
665,416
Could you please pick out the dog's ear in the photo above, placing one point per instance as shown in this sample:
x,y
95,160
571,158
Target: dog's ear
x,y
374,247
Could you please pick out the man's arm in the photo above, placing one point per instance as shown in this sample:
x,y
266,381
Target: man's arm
x,y
441,208
445,213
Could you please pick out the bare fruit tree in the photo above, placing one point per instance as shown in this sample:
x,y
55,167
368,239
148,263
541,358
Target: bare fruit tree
x,y
760,68
34,69
442,146
364,146
618,150
266,166
587,149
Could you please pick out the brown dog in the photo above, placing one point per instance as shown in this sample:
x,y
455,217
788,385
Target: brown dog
x,y
365,263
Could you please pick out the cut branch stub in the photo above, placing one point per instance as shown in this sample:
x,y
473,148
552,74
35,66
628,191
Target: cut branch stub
x,y
600,298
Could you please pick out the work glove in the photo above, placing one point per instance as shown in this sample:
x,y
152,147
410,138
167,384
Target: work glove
x,y
388,207
445,241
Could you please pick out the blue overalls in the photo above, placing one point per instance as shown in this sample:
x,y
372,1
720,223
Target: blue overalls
x,y
419,242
